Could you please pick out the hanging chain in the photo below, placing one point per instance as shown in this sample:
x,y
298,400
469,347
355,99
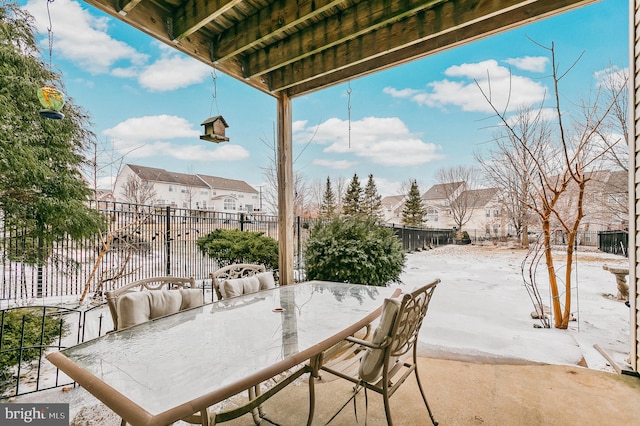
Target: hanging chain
x,y
50,34
214,96
349,110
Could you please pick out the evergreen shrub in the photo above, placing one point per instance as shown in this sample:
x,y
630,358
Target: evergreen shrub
x,y
354,250
230,246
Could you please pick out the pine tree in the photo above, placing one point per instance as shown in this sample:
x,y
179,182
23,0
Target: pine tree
x,y
414,212
372,201
352,203
328,207
42,191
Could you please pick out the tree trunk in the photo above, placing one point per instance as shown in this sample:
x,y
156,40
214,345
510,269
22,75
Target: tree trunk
x,y
553,282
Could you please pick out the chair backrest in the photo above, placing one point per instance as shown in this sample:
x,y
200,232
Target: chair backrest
x,y
397,332
235,271
152,284
413,309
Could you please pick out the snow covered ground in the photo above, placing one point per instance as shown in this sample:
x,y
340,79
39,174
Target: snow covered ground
x,y
482,308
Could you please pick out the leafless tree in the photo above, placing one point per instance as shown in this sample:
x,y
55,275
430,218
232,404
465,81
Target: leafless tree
x,y
138,191
558,177
458,184
509,167
301,199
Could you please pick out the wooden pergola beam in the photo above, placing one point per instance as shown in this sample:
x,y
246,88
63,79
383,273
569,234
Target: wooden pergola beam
x,y
269,23
285,189
195,14
437,28
360,19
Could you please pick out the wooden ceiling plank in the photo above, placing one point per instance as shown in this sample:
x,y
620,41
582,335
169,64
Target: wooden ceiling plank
x,y
360,19
126,6
267,24
152,20
382,51
195,14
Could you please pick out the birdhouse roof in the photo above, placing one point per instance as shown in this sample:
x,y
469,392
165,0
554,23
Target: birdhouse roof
x,y
214,119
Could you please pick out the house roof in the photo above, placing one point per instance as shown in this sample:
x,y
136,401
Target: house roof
x,y
214,119
153,174
440,190
478,198
390,201
228,184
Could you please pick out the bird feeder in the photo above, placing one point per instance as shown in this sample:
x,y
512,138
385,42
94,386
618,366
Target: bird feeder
x,y
52,101
214,128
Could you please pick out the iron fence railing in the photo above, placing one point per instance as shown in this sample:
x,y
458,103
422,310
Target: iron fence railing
x,y
22,366
615,242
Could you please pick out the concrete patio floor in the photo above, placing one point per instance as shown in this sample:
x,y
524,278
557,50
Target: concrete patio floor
x,y
470,392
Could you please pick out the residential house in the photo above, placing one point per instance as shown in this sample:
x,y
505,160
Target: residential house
x,y
392,207
486,214
436,202
188,191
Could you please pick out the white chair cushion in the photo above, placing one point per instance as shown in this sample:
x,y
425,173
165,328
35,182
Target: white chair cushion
x,y
232,288
133,308
266,280
191,298
250,285
373,360
164,302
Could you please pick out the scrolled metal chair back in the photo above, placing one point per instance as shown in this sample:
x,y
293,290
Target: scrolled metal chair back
x,y
409,319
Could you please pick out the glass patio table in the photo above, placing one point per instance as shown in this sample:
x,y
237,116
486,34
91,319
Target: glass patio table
x,y
166,369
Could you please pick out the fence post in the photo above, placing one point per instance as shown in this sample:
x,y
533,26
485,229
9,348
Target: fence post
x,y
168,240
298,241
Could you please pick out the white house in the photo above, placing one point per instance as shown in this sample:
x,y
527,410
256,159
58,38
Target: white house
x,y
180,190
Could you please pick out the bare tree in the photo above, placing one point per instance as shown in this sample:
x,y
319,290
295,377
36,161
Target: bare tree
x,y
509,168
301,201
458,184
558,179
137,191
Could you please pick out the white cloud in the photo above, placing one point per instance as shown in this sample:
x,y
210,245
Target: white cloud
x,y
546,114
403,93
529,63
463,89
173,71
153,127
81,37
385,141
154,136
298,125
334,164
612,77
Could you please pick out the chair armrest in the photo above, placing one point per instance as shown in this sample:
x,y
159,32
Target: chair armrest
x,y
368,344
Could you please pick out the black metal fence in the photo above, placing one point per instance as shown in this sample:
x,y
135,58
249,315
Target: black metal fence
x,y
615,242
418,239
140,242
23,346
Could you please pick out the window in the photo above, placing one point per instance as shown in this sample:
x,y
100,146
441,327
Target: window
x,y
496,228
170,188
203,191
241,196
432,215
204,204
496,213
229,204
487,213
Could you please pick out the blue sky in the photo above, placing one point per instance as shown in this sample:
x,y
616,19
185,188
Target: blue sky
x,y
146,100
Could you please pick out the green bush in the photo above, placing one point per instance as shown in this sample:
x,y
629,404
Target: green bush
x,y
462,238
38,331
354,251
234,246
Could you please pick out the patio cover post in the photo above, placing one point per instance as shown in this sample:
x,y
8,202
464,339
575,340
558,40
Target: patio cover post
x,y
634,181
285,189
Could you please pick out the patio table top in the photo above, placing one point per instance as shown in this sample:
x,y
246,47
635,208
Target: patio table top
x,y
166,369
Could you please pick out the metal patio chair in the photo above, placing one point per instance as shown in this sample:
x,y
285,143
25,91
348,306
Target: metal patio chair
x,y
385,362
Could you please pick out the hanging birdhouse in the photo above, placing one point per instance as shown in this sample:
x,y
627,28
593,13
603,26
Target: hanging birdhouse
x,y
52,101
214,128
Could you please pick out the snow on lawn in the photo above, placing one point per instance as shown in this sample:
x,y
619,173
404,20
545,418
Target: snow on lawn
x,y
482,308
